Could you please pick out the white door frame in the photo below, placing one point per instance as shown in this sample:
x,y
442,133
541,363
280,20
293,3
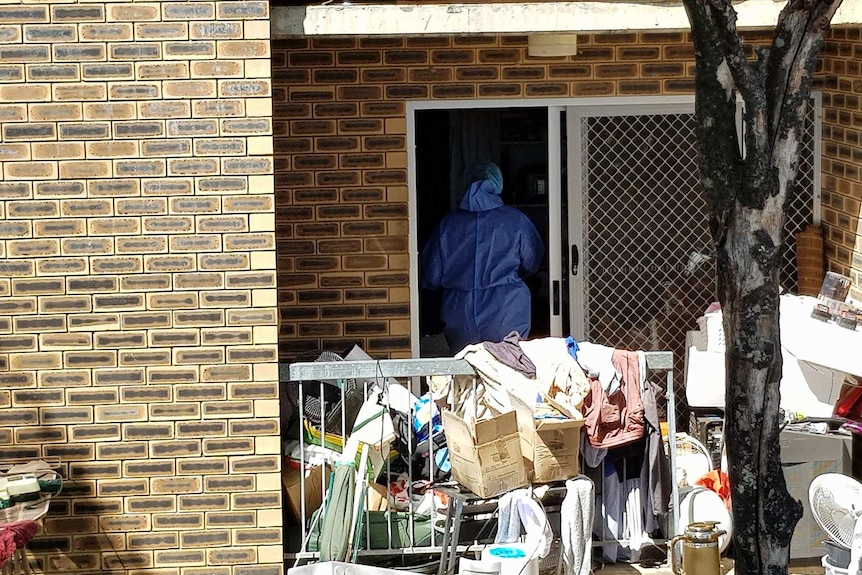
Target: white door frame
x,y
615,105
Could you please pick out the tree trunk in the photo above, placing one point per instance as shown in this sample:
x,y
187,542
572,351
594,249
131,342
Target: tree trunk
x,y
746,195
764,514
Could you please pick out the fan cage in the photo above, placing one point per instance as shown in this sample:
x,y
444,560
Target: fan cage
x,y
836,502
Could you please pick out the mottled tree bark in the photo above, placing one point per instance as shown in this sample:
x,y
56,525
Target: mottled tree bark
x,y
746,194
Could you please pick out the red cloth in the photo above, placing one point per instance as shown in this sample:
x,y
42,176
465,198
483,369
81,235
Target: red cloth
x,y
716,480
15,536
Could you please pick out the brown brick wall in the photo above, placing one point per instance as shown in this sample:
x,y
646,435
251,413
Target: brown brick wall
x,y
842,153
340,139
137,282
339,109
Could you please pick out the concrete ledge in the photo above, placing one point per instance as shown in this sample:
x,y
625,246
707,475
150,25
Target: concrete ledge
x,y
512,18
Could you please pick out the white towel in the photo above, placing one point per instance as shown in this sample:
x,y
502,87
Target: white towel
x,y
518,508
595,359
634,524
576,513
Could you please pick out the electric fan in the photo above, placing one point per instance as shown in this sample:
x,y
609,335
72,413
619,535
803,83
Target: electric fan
x,y
836,503
693,460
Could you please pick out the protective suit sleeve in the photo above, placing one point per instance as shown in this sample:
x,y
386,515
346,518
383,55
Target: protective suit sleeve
x,y
531,249
432,262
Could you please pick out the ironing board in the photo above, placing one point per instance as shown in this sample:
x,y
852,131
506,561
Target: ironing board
x,y
457,496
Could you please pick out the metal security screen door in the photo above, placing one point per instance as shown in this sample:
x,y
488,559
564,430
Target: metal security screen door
x,y
645,252
641,260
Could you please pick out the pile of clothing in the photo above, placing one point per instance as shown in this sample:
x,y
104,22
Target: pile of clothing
x,y
622,443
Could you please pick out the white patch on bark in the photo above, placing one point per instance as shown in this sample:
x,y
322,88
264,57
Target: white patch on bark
x,y
771,217
787,150
748,478
725,78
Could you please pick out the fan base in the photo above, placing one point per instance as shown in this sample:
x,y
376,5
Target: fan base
x,y
838,555
831,569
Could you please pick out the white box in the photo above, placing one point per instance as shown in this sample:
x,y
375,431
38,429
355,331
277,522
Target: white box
x,y
803,457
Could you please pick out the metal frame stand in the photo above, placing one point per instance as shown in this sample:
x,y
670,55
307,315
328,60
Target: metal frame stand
x,y
407,368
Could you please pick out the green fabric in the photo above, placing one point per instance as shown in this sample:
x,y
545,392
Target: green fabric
x,y
377,528
336,518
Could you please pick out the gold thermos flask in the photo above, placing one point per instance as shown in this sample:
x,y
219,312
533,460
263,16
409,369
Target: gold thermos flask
x,y
700,551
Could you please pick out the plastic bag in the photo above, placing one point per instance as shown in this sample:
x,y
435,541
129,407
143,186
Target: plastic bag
x,y
426,418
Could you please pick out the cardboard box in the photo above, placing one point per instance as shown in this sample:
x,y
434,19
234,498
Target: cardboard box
x,y
378,498
314,490
485,457
550,447
804,456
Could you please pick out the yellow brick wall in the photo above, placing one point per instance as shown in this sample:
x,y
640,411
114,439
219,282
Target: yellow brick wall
x,y
841,71
138,284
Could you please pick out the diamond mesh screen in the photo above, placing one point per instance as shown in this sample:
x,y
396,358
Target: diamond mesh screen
x,y
800,204
648,262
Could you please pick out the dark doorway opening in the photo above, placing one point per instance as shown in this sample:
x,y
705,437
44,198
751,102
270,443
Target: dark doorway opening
x,y
447,142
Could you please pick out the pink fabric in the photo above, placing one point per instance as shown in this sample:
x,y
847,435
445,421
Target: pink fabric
x,y
7,546
23,532
611,421
15,536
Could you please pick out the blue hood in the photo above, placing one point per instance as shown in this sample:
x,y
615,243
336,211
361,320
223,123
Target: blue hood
x,y
485,183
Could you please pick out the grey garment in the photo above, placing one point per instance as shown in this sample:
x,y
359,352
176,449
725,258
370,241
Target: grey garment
x,y
577,514
593,456
655,472
510,354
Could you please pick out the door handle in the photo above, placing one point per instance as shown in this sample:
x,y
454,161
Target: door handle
x,y
575,260
556,297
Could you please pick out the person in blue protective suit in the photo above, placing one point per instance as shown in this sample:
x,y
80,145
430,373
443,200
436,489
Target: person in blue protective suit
x,y
478,255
